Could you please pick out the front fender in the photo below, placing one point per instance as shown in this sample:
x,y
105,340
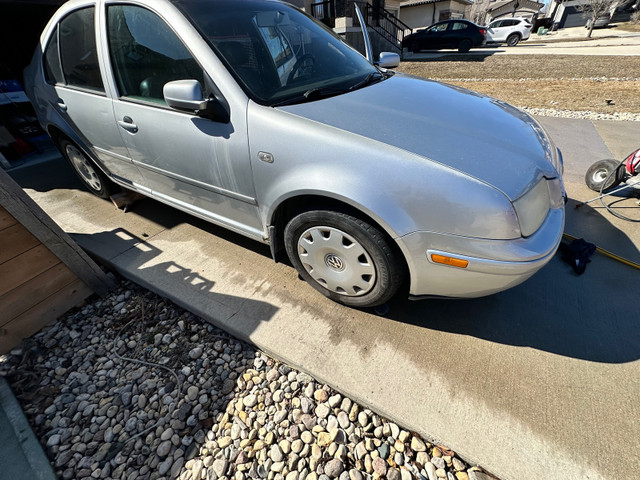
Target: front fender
x,y
401,191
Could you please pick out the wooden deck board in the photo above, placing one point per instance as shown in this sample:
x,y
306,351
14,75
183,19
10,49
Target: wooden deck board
x,y
15,240
24,267
23,297
6,220
42,314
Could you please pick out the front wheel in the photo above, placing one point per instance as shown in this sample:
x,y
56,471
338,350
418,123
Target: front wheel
x,y
602,171
344,258
90,175
464,46
513,39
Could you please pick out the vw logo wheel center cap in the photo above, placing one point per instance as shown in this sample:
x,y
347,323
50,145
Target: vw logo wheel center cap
x,y
334,262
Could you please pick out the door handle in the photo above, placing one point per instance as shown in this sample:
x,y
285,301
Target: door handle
x,y
61,105
128,125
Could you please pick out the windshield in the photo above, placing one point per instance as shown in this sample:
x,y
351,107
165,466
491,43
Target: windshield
x,y
276,52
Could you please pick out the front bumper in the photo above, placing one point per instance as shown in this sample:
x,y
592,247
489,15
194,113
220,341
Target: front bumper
x,y
494,265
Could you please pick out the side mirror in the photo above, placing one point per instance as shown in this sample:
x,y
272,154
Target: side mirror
x,y
186,96
389,60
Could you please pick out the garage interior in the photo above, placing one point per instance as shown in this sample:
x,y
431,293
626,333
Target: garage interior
x,y
22,140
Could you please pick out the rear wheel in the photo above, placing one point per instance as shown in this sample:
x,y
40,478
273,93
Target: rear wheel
x,y
90,175
464,46
344,257
601,171
513,39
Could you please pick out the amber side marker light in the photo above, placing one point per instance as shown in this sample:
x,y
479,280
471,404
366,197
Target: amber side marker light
x,y
454,262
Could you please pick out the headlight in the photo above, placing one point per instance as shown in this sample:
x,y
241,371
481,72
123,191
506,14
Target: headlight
x,y
532,207
556,193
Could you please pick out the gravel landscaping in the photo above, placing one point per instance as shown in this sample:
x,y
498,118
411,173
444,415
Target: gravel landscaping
x,y
132,386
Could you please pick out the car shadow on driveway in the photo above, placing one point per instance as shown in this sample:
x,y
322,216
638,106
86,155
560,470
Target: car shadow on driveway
x,y
591,317
147,265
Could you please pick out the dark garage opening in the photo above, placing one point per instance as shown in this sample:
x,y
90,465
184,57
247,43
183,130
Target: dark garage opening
x,y
22,140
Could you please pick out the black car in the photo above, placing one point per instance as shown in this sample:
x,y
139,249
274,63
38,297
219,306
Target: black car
x,y
460,34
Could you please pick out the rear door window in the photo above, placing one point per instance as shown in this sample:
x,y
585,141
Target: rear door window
x,y
78,52
52,66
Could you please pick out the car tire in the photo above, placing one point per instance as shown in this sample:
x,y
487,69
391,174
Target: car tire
x,y
513,39
413,47
464,46
90,175
600,171
343,257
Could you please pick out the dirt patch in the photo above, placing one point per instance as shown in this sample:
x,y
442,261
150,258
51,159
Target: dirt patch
x,y
628,27
603,84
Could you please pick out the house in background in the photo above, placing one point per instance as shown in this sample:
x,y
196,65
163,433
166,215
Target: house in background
x,y
528,9
385,29
483,12
567,13
422,13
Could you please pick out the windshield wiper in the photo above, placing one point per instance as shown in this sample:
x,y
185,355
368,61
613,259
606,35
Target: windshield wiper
x,y
311,95
369,79
314,94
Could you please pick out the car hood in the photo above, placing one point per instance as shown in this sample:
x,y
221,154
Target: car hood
x,y
469,132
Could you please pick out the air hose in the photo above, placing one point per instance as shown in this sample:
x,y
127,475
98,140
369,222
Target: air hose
x,y
607,253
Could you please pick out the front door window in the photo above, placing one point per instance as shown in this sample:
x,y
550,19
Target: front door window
x,y
146,54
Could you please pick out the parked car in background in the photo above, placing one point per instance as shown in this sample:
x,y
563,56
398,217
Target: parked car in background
x,y
460,34
254,116
600,22
508,30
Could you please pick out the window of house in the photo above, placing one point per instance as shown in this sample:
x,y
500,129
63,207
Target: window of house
x,y
78,51
145,54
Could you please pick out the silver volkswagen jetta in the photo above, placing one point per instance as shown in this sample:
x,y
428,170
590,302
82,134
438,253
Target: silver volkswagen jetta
x,y
252,115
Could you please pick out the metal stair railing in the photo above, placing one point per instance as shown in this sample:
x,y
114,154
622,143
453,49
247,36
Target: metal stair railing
x,y
384,23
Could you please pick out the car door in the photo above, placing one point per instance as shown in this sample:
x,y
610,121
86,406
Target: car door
x,y
434,37
495,31
72,69
456,32
196,164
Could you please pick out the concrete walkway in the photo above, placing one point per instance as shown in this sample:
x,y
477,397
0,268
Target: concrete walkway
x,y
536,382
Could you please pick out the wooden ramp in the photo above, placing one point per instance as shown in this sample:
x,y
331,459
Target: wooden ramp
x,y
43,273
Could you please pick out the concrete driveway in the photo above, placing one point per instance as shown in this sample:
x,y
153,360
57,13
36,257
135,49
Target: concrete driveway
x,y
540,381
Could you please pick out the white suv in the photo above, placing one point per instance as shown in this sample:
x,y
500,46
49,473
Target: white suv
x,y
509,30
